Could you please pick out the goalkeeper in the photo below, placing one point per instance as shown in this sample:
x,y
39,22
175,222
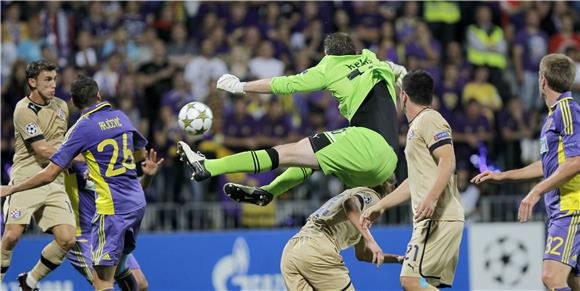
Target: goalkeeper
x,y
363,154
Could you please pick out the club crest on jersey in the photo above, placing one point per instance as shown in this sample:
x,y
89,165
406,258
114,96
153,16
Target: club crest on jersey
x,y
31,128
411,134
60,113
367,199
15,213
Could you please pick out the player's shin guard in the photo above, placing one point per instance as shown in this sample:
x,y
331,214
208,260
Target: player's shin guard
x,y
127,281
6,258
51,257
244,162
288,180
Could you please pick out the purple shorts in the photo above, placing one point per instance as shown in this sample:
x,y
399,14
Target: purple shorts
x,y
114,235
563,243
80,257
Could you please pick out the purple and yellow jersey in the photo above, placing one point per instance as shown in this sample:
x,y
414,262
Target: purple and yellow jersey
x,y
560,140
107,139
81,193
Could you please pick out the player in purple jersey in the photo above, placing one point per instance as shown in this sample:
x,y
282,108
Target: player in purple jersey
x,y
81,191
110,145
560,167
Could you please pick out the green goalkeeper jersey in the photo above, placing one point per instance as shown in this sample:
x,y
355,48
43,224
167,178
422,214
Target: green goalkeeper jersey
x,y
349,78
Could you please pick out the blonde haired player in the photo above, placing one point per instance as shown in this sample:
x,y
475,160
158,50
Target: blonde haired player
x,y
432,252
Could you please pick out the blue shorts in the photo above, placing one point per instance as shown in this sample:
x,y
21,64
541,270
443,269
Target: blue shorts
x,y
114,235
80,257
563,243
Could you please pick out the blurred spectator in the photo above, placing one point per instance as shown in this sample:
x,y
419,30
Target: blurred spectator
x,y
426,49
86,56
13,29
121,44
341,21
16,87
58,30
181,49
454,55
531,44
238,62
108,76
133,19
514,127
566,37
574,53
265,65
407,23
155,79
443,18
275,127
166,21
201,69
179,95
486,45
387,48
471,130
97,22
65,80
448,92
483,91
31,49
239,128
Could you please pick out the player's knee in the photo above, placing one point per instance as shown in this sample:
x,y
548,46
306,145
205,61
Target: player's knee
x,y
66,241
409,283
10,239
552,279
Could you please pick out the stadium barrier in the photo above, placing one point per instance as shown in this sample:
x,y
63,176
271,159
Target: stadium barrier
x,y
250,260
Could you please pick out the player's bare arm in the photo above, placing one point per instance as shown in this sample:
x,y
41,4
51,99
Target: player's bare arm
x,y
46,176
566,171
363,254
445,169
400,195
44,150
531,171
353,207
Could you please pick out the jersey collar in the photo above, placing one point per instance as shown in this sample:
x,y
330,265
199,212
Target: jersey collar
x,y
565,96
96,107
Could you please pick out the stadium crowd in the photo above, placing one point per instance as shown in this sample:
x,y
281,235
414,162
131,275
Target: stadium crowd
x,y
150,58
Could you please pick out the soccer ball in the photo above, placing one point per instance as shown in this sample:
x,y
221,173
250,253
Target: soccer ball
x,y
195,118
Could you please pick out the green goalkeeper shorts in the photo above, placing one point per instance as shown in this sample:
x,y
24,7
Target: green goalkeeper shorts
x,y
358,156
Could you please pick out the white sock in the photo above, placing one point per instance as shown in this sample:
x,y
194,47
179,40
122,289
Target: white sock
x,y
30,281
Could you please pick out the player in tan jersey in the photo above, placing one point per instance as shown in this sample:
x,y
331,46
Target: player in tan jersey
x,y
433,250
40,122
311,259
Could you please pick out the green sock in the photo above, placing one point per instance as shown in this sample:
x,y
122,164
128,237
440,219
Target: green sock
x,y
288,180
244,162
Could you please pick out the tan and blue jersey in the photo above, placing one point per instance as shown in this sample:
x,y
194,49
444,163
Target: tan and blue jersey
x,y
560,140
107,140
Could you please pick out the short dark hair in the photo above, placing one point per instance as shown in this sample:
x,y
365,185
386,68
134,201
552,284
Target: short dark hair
x,y
559,71
84,92
35,68
339,44
418,84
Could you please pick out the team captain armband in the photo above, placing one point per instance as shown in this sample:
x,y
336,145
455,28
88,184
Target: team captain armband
x,y
441,138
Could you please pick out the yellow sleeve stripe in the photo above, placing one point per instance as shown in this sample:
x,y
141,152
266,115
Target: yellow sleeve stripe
x,y
567,117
